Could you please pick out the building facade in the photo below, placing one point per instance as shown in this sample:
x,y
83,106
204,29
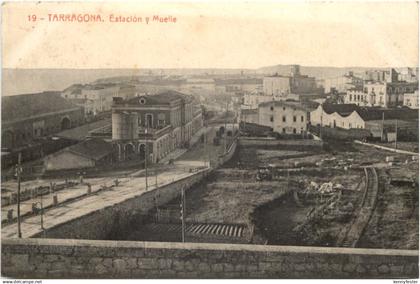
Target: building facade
x,y
382,94
343,83
283,117
86,154
31,116
238,85
252,100
97,98
161,122
373,119
411,100
337,115
278,85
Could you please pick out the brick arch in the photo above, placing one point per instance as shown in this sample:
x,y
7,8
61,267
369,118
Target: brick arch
x,y
65,123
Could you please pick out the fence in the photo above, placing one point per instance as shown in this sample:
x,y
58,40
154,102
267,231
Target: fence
x,y
340,133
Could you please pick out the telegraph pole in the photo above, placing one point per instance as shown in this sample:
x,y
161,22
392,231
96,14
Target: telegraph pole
x,y
156,174
146,154
382,130
225,132
18,174
320,126
396,132
183,213
42,217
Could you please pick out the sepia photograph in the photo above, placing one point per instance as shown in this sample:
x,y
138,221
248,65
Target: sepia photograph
x,y
209,140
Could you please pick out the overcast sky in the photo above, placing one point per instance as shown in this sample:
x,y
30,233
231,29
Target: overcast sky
x,y
213,35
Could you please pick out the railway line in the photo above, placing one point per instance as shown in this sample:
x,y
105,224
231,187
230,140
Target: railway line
x,y
368,204
201,232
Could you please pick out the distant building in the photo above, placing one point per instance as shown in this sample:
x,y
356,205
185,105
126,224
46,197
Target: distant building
x,y
238,85
389,75
207,84
381,94
343,83
351,116
31,116
278,85
252,100
163,122
411,100
87,154
97,98
249,115
283,117
408,74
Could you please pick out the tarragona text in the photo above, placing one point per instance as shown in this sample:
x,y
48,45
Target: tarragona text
x,y
111,18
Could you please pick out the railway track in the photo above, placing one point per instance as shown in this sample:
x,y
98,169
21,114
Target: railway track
x,y
226,230
367,206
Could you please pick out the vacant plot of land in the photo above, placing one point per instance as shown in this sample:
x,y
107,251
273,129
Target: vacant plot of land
x,y
394,223
292,220
230,202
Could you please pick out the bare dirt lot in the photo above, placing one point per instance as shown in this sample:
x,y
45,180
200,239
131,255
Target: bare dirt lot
x,y
310,197
226,200
394,223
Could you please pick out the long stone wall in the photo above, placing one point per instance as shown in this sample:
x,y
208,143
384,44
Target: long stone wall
x,y
120,218
253,141
55,258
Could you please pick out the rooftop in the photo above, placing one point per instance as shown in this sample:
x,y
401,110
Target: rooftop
x,y
288,103
163,98
371,113
27,105
239,81
94,149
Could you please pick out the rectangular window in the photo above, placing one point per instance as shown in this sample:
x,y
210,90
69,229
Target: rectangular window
x,y
161,122
149,120
302,118
294,118
284,118
271,118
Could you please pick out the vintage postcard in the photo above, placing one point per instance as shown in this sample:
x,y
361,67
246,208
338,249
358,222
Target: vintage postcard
x,y
210,139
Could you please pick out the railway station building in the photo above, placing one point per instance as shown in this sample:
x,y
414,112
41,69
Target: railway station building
x,y
162,123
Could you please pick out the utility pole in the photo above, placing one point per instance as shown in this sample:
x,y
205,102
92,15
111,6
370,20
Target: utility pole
x,y
42,217
382,130
18,174
156,174
320,126
183,211
396,132
225,132
205,144
146,154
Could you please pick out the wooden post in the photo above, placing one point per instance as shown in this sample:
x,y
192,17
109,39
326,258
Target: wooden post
x,y
18,173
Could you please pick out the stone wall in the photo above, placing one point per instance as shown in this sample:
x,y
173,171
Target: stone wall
x,y
120,218
55,258
299,143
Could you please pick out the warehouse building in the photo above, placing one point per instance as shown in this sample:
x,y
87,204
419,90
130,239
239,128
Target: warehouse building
x,y
32,116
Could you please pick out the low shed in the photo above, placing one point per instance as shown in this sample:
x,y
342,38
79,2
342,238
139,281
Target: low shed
x,y
87,154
